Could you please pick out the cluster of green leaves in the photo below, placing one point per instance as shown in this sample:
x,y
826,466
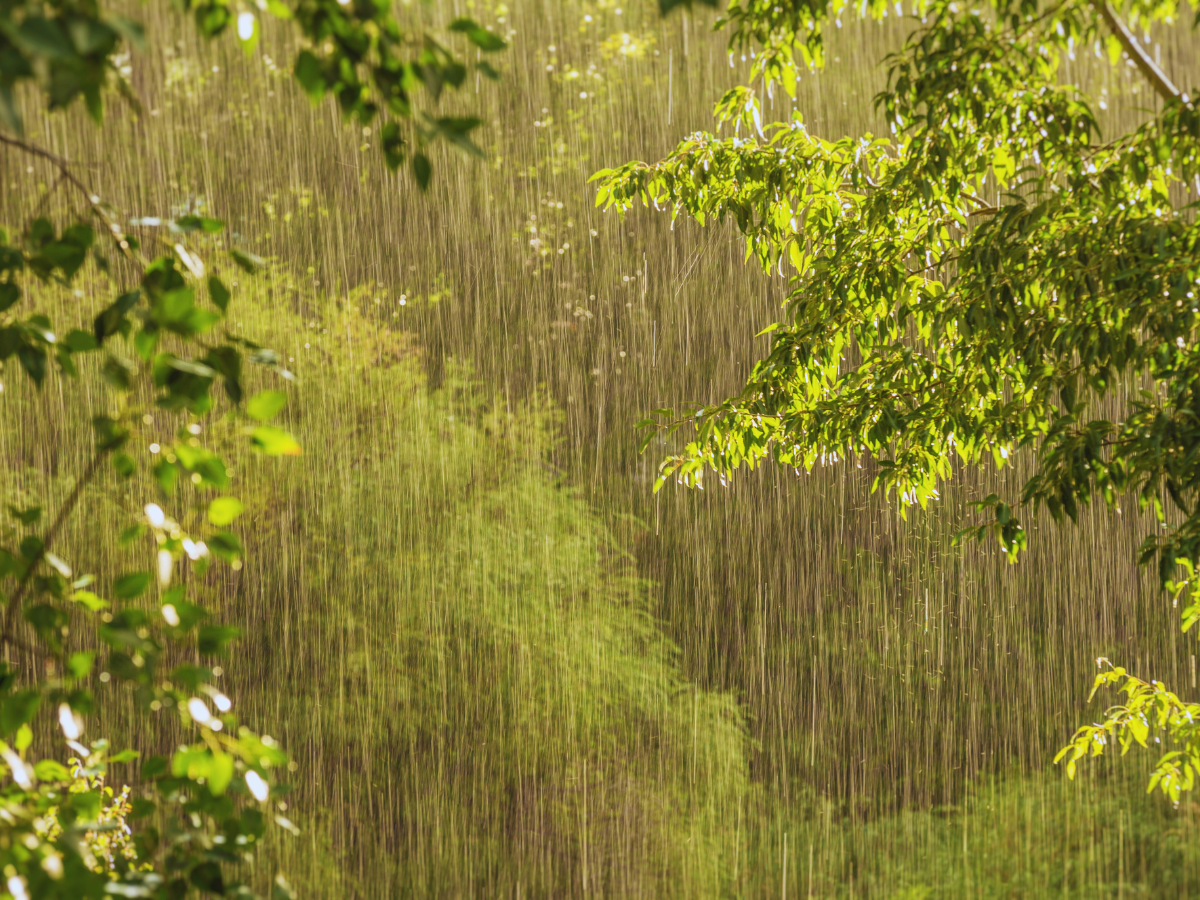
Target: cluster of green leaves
x,y
356,51
978,282
1150,710
163,353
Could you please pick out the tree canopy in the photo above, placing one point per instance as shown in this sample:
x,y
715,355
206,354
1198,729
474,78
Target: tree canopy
x,y
990,277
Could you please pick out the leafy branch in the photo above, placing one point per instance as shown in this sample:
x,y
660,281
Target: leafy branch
x,y
227,757
1149,712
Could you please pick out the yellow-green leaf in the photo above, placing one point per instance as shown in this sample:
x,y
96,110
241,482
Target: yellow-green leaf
x,y
275,441
224,510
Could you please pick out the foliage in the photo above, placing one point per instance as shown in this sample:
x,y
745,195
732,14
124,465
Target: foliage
x,y
148,628
982,281
1149,709
113,839
465,604
1007,839
356,52
359,54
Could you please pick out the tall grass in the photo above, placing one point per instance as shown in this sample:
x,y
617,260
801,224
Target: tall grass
x,y
550,682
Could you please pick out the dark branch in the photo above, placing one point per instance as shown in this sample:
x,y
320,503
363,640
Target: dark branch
x,y
110,226
14,604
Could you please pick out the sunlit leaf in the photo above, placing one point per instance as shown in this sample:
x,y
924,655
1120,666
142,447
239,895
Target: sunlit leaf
x,y
274,441
224,510
266,405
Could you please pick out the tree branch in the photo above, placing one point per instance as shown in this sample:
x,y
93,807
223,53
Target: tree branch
x,y
1157,78
10,615
111,227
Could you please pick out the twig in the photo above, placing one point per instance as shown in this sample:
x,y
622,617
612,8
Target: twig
x,y
10,616
41,207
111,228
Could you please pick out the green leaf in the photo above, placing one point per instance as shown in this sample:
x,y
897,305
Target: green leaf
x,y
81,341
218,293
33,361
40,36
220,773
130,29
166,474
88,601
24,738
224,510
455,130
27,516
31,547
275,441
212,640
131,534
209,466
247,262
111,320
207,876
191,677
145,342
18,709
479,36
189,614
266,405
80,664
9,294
422,170
132,585
188,224
154,767
310,74
110,434
86,804
51,770
225,545
393,145
125,465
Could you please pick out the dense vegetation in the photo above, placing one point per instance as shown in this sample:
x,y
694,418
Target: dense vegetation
x,y
498,662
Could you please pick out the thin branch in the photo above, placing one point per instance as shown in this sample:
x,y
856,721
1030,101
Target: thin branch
x,y
111,228
1157,78
14,604
41,207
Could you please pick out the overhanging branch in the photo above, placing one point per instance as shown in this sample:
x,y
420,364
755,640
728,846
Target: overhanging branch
x,y
1161,83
